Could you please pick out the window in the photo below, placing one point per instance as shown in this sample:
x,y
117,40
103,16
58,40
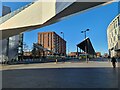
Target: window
x,y
118,37
118,20
48,39
116,23
43,40
119,23
40,38
115,31
111,40
114,38
112,34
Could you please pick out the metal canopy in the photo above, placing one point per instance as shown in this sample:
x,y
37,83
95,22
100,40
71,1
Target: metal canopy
x,y
89,48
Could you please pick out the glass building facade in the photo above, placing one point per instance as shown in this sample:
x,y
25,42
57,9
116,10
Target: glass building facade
x,y
10,46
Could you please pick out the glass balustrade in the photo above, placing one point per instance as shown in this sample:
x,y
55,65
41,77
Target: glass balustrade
x,y
8,16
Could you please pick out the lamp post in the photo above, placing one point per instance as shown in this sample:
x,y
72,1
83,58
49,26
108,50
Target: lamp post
x,y
85,43
62,42
63,35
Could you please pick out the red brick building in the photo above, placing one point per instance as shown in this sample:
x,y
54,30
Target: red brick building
x,y
73,54
53,42
98,54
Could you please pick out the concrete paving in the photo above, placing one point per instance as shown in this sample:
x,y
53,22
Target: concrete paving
x,y
74,63
61,75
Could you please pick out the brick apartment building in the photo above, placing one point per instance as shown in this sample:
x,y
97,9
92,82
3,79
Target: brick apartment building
x,y
98,54
53,42
72,54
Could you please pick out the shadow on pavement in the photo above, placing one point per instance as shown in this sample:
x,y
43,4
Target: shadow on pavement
x,y
82,78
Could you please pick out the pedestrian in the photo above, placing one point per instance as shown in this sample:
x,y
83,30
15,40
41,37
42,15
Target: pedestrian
x,y
113,62
108,58
56,60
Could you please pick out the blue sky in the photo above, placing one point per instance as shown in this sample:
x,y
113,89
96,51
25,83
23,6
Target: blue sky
x,y
97,20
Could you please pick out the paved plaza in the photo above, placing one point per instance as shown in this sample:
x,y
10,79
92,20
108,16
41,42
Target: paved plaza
x,y
70,74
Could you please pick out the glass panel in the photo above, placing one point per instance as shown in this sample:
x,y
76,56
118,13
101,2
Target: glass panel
x,y
118,37
8,16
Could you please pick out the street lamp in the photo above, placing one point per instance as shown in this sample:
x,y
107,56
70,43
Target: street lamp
x,y
85,43
62,43
85,32
63,35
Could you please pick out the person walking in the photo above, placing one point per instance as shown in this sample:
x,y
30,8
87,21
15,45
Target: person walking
x,y
108,58
113,62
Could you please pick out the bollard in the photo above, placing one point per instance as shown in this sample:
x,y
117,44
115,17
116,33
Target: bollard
x,y
87,60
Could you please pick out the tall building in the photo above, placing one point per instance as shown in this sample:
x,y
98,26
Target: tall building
x,y
113,35
10,46
5,10
53,42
